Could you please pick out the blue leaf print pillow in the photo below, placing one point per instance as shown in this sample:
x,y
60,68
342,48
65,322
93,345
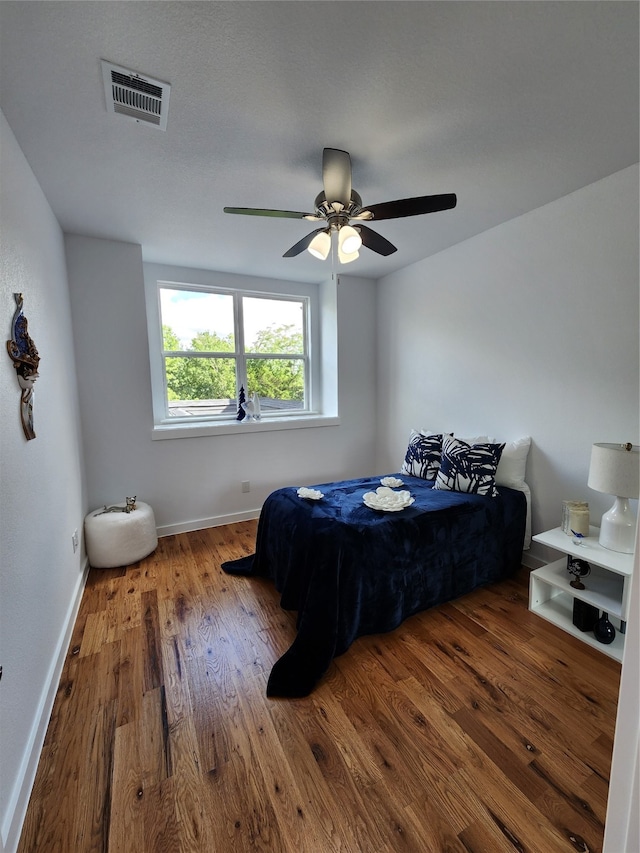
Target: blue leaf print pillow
x,y
468,467
422,458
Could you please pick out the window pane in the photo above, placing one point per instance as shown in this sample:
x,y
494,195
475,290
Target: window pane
x,y
201,322
214,341
279,383
273,325
201,386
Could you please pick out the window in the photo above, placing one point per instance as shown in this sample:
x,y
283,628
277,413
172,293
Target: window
x,y
216,341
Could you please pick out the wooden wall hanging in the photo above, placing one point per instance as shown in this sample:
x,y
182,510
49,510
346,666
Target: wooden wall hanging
x,y
25,358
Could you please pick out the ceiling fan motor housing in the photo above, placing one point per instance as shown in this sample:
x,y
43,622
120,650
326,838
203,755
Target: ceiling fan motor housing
x,y
336,214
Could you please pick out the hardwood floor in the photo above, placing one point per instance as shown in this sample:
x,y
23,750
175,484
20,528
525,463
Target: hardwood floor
x,y
475,726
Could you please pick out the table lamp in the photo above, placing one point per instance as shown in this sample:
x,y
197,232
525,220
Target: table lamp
x,y
614,470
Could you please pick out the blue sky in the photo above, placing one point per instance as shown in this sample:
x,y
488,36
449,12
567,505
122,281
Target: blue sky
x,y
190,312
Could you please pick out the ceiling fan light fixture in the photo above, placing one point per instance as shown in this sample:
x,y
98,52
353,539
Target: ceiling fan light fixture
x,y
349,241
320,246
338,204
347,257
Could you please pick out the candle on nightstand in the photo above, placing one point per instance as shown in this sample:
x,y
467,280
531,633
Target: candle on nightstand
x,y
567,508
579,520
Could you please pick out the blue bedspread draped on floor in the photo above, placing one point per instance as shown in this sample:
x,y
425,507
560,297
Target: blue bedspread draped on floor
x,y
349,570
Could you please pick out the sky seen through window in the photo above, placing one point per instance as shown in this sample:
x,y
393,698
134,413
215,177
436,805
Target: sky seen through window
x,y
188,313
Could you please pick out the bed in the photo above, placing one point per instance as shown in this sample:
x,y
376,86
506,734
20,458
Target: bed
x,y
349,570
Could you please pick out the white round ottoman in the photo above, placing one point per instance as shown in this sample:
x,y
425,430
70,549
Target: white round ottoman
x,y
119,538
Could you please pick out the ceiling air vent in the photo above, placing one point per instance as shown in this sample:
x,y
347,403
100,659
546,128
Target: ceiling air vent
x,y
131,95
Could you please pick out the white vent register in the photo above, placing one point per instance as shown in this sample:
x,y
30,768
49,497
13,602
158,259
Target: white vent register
x,y
134,96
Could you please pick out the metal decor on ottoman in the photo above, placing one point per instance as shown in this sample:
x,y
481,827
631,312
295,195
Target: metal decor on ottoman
x,y
120,535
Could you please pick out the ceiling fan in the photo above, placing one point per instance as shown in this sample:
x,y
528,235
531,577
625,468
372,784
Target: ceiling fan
x,y
339,204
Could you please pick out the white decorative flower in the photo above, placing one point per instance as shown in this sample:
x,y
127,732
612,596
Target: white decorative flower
x,y
387,500
309,494
391,482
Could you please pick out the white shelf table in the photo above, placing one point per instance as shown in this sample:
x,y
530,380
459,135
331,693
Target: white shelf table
x,y
551,595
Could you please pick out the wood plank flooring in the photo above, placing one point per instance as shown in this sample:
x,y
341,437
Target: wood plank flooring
x,y
475,726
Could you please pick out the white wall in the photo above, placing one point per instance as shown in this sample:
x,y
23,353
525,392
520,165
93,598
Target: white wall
x,y
531,329
528,329
195,482
42,498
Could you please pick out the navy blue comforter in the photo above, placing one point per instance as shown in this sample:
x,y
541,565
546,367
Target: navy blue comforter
x,y
349,570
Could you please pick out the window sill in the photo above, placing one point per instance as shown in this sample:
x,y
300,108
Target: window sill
x,y
162,432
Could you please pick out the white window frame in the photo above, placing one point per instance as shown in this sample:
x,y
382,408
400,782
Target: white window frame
x,y
240,355
312,415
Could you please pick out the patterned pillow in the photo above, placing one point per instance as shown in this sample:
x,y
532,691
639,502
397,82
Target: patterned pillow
x,y
422,458
468,467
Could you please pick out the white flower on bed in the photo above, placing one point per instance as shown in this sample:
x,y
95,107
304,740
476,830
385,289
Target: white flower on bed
x,y
387,500
392,482
309,494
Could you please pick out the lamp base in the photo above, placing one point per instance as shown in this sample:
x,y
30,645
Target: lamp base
x,y
618,528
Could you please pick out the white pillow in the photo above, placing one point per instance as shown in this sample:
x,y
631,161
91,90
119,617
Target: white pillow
x,y
527,527
511,473
513,463
478,439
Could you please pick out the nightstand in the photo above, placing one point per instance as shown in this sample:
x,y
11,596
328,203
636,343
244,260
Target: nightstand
x,y
607,587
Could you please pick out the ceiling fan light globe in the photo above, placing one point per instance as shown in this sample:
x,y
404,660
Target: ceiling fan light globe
x,y
349,241
320,246
347,257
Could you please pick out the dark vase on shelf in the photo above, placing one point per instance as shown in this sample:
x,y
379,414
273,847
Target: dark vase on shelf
x,y
604,631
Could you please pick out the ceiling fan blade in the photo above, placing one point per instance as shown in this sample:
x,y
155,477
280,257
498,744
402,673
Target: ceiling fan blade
x,y
411,206
303,244
336,176
283,214
375,242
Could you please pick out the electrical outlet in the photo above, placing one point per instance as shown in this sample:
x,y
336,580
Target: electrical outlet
x,y
245,486
74,540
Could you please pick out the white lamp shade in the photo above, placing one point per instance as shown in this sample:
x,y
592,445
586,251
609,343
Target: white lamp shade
x,y
320,245
615,470
349,241
346,258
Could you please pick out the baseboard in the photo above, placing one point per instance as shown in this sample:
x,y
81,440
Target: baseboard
x,y
203,523
17,808
531,561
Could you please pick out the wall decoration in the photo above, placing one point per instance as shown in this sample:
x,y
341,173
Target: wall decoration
x,y
241,400
25,358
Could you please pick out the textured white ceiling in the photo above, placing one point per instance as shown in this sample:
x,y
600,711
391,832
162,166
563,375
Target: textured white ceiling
x,y
508,104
